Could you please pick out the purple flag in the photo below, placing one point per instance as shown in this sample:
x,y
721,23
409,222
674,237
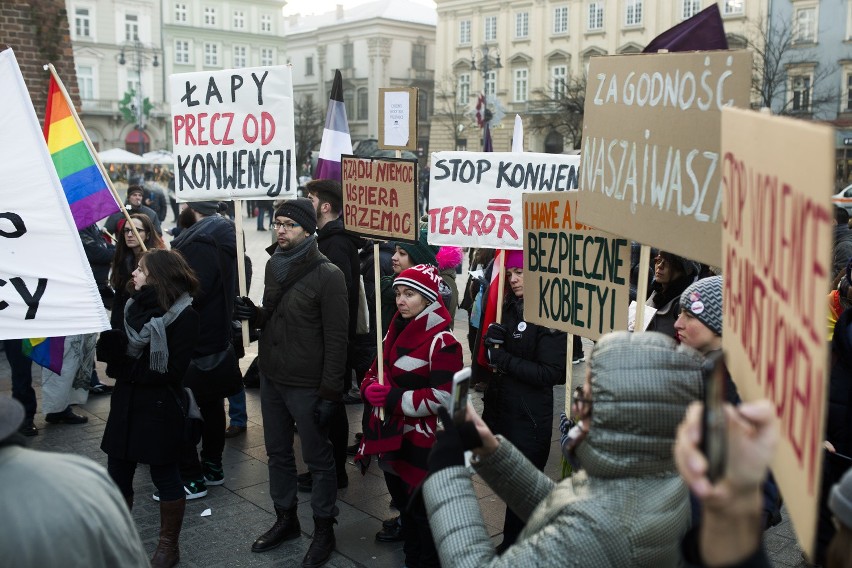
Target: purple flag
x,y
487,143
702,32
335,135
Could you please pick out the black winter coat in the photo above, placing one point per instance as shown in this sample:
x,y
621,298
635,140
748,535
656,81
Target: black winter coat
x,y
210,248
519,401
98,253
145,423
341,249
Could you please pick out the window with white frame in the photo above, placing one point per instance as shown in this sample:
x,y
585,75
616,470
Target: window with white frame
x,y
463,89
363,104
266,23
560,20
490,28
521,85
522,25
733,7
348,55
240,56
131,27
418,56
239,20
464,32
596,16
309,65
800,92
689,8
491,84
180,12
209,16
558,80
633,12
848,106
211,54
86,81
82,22
267,56
182,52
805,25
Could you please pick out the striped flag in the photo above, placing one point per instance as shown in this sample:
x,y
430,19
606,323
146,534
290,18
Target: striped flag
x,y
85,187
704,31
335,135
45,351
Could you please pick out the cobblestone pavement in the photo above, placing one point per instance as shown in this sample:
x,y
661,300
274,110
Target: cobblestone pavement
x,y
241,509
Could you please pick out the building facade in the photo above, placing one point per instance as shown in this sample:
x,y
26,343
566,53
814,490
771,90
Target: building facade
x,y
528,56
387,43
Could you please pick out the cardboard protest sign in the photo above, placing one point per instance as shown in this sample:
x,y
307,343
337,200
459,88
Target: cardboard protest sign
x,y
233,134
475,197
46,285
380,198
651,146
576,278
777,243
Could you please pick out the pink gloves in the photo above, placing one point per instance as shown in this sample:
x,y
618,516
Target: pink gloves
x,y
377,394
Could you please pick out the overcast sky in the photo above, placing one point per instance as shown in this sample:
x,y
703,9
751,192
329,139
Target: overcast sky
x,y
322,6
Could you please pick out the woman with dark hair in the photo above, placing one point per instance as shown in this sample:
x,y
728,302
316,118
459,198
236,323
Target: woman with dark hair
x,y
528,360
148,358
672,275
128,251
421,355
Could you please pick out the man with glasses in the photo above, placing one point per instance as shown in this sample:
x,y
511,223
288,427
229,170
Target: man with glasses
x,y
135,195
302,357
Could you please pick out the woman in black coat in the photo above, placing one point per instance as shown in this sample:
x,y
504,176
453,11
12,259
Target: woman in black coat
x,y
148,359
528,361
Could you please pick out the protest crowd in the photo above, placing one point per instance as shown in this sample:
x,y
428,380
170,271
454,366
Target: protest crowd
x,y
640,483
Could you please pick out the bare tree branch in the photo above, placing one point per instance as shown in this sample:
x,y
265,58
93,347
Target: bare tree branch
x,y
560,108
308,126
449,112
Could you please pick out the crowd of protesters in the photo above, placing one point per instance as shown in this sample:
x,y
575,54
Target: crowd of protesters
x,y
638,494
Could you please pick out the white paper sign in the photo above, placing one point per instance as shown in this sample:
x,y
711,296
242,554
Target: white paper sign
x,y
475,197
631,316
397,111
233,134
46,285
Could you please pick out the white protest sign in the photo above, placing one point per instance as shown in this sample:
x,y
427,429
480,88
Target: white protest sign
x,y
475,197
777,238
46,285
233,134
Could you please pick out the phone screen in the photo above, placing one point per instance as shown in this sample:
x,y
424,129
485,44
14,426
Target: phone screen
x,y
713,438
459,395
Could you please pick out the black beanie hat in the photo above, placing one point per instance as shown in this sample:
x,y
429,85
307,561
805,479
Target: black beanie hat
x,y
301,211
204,207
135,189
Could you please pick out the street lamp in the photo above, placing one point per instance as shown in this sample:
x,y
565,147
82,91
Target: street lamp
x,y
139,56
485,67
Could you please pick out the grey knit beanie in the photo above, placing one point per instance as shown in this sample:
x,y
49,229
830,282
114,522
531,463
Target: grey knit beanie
x,y
840,500
703,299
301,211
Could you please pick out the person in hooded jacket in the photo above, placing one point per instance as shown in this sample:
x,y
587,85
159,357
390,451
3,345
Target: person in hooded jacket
x,y
672,274
528,361
209,244
626,507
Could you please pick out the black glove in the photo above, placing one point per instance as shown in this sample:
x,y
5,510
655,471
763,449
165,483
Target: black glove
x,y
451,442
111,346
244,309
324,411
495,335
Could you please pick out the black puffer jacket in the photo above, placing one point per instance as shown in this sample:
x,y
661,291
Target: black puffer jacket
x,y
210,248
519,401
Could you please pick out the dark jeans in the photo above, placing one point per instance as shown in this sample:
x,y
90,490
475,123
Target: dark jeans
x,y
212,440
22,376
281,406
166,478
263,207
419,546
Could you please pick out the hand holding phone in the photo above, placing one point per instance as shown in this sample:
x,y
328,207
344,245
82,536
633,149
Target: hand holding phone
x,y
459,395
713,424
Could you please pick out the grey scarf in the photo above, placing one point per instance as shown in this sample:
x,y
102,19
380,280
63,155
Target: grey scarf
x,y
153,333
282,259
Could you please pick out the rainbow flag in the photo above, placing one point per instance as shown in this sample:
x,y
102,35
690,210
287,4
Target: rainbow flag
x,y
45,351
85,188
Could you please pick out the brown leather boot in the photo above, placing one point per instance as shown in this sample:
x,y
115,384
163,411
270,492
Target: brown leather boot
x,y
171,520
322,544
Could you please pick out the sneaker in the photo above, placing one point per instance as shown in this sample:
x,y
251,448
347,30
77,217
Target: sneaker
x,y
193,490
100,388
579,359
213,474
